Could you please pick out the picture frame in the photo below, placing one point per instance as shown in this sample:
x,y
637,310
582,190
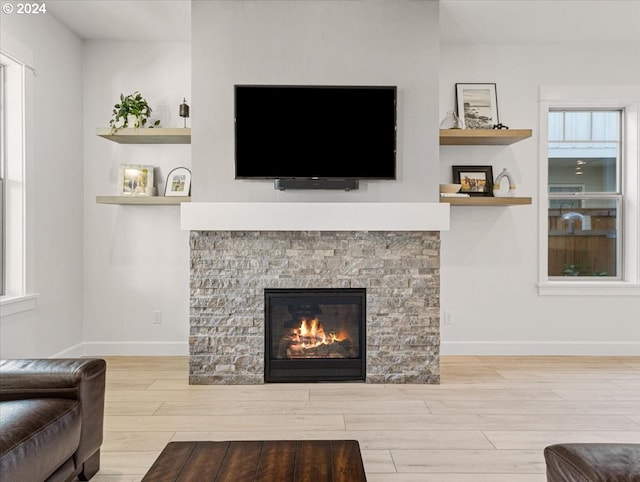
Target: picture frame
x,y
475,180
135,180
178,182
477,105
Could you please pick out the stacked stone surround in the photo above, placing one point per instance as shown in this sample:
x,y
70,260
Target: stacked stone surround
x,y
231,269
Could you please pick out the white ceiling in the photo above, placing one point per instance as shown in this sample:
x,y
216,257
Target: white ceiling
x,y
539,21
461,21
146,20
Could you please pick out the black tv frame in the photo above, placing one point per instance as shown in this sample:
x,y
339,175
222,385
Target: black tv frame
x,y
336,183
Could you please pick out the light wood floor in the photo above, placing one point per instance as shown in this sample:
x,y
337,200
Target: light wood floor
x,y
488,420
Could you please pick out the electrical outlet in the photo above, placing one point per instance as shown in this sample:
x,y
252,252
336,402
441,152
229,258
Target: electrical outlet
x,y
448,318
157,317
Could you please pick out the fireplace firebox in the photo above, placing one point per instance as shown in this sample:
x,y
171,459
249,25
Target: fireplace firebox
x,y
315,335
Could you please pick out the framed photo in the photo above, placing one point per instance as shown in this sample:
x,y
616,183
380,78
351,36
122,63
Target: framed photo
x,y
475,180
477,105
135,180
178,182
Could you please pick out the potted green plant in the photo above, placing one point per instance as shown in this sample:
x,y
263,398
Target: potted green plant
x,y
132,111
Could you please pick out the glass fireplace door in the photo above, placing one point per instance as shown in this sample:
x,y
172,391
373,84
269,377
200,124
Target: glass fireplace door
x,y
314,335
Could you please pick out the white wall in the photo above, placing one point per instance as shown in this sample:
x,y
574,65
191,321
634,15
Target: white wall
x,y
136,258
320,42
54,198
490,255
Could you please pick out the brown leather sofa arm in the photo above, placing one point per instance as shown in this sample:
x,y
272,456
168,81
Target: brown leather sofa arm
x,y
593,462
81,379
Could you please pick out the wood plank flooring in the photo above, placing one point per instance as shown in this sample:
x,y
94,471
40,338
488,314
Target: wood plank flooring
x,y
488,420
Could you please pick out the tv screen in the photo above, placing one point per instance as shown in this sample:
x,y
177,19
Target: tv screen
x,y
309,132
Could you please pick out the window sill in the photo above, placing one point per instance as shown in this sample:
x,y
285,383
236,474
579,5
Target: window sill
x,y
17,304
588,288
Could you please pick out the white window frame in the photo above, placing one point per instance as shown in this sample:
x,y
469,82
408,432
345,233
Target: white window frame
x,y
627,99
2,182
19,72
577,188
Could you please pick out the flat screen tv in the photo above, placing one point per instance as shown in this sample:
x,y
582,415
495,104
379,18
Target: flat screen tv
x,y
315,132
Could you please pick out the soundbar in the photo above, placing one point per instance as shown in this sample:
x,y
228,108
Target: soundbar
x,y
343,184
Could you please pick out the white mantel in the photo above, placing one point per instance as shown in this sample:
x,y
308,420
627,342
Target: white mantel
x,y
281,216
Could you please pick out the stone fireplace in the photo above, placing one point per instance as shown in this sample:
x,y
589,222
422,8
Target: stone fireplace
x,y
231,269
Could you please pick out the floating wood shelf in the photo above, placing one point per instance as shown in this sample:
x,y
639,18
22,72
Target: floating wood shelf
x,y
482,137
143,200
157,135
486,201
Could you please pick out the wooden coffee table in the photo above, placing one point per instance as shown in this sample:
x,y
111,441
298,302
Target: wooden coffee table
x,y
266,461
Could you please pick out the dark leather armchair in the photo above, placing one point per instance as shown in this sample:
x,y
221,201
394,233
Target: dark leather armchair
x,y
593,462
51,418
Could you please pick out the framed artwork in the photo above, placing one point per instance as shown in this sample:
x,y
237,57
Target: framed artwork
x,y
135,180
475,180
477,105
178,182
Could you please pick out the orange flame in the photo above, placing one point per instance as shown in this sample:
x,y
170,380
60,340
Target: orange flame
x,y
311,334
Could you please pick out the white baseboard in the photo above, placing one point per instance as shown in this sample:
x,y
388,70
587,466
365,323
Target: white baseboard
x,y
135,348
76,351
533,348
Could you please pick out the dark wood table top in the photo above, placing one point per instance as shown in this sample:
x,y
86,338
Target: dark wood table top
x,y
265,461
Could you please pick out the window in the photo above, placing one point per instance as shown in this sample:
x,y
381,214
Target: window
x,y
13,164
584,194
589,190
2,176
